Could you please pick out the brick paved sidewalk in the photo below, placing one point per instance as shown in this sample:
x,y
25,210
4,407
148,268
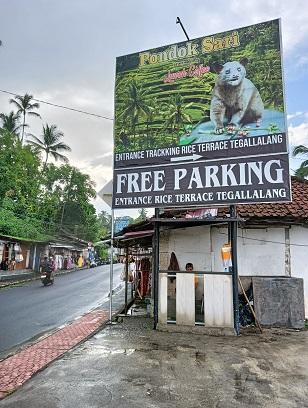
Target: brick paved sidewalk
x,y
17,369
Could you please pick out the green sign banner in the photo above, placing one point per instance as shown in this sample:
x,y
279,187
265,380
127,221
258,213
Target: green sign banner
x,y
215,98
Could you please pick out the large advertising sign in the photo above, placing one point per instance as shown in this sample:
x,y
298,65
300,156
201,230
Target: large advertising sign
x,y
202,122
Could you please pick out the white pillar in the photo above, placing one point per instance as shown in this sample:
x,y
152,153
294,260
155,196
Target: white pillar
x,y
162,298
185,299
218,301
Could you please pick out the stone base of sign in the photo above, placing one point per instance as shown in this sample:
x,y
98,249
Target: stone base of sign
x,y
279,302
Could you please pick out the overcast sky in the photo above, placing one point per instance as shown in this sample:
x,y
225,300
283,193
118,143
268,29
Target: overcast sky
x,y
64,51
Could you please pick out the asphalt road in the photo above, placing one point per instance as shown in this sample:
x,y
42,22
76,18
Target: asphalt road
x,y
28,310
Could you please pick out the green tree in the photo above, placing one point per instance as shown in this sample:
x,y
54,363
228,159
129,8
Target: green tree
x,y
35,200
15,224
71,192
105,220
136,105
142,215
19,170
302,171
50,144
20,182
175,113
25,107
11,122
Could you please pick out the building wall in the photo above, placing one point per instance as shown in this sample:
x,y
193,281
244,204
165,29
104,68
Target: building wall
x,y
261,252
299,257
16,259
189,245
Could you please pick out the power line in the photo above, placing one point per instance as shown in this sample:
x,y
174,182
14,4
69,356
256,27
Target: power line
x,y
266,241
60,106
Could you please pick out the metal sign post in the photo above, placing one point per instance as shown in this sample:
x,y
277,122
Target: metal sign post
x,y
156,268
233,234
106,195
111,265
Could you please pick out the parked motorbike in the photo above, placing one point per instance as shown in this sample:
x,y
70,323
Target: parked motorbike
x,y
47,278
93,263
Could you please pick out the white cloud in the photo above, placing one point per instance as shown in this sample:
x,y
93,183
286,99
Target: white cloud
x,y
100,171
298,135
294,115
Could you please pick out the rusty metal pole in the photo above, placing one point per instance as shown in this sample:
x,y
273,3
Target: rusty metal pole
x,y
126,278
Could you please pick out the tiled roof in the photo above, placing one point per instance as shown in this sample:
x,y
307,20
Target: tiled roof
x,y
295,211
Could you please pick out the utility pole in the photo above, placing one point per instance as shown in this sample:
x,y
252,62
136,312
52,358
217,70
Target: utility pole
x,y
178,21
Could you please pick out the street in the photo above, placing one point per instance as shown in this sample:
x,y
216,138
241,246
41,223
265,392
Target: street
x,y
29,310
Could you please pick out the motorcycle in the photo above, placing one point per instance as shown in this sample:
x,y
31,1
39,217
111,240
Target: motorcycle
x,y
47,278
93,263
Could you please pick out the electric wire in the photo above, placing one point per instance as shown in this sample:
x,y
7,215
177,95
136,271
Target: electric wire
x,y
60,106
22,216
266,241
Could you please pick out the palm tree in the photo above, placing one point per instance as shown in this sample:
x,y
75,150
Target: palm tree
x,y
50,143
175,111
302,171
136,104
105,220
11,122
24,107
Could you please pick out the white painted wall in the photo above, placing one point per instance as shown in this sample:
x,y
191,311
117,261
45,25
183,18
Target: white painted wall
x,y
261,252
299,257
193,245
189,245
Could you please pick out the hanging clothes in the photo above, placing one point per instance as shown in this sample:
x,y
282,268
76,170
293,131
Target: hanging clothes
x,y
173,265
80,262
17,247
19,257
145,266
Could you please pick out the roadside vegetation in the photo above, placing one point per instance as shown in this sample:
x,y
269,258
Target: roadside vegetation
x,y
41,194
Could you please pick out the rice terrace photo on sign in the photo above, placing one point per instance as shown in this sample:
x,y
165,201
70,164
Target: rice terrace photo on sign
x,y
202,122
219,87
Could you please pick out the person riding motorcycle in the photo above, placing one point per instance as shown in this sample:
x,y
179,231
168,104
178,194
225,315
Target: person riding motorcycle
x,y
47,267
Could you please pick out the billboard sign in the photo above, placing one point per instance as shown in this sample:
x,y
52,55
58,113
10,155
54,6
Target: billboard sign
x,y
204,120
120,223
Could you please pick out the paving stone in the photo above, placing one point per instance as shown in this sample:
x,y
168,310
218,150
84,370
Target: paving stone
x,y
17,369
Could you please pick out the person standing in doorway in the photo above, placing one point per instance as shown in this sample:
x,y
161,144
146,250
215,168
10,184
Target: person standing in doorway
x,y
189,268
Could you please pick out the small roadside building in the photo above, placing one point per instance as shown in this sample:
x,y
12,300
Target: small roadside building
x,y
17,254
20,254
272,249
